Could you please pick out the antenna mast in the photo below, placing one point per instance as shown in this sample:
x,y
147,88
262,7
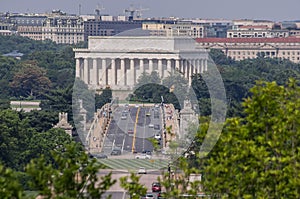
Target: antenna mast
x,y
79,9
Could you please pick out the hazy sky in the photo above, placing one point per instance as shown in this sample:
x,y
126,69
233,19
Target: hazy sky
x,y
226,9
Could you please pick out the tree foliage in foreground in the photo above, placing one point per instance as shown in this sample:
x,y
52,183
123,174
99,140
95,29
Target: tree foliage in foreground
x,y
73,175
132,186
258,156
10,187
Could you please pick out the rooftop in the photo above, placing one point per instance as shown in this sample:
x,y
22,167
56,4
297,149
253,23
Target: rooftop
x,y
249,40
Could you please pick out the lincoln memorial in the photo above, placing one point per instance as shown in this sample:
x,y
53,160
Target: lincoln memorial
x,y
118,61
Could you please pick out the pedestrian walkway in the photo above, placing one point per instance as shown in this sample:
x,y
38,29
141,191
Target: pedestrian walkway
x,y
134,164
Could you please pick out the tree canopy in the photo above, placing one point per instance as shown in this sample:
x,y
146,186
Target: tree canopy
x,y
30,81
258,156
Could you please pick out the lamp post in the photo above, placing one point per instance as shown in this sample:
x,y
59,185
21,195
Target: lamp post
x,y
169,173
143,100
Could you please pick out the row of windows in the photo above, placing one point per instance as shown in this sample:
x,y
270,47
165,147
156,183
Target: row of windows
x,y
290,53
272,53
63,30
251,57
253,44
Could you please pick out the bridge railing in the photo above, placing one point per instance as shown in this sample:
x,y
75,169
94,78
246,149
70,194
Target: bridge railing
x,y
98,128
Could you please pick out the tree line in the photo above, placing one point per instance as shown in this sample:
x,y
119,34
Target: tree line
x,y
256,155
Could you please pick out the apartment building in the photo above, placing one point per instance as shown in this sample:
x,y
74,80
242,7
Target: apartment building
x,y
63,29
215,27
108,26
256,31
248,48
175,28
29,25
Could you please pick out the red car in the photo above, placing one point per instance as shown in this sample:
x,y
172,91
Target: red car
x,y
130,131
156,187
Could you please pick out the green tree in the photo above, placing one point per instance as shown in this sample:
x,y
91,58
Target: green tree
x,y
103,98
30,81
257,156
43,143
41,120
132,186
177,92
7,69
14,136
10,187
220,58
177,182
73,175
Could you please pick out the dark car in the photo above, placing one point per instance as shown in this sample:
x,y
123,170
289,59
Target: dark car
x,y
116,151
100,156
156,187
156,126
147,152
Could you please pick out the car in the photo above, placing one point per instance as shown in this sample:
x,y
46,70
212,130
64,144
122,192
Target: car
x,y
124,116
156,126
116,151
130,131
157,136
148,196
147,152
142,170
156,187
151,126
136,106
100,156
148,114
143,156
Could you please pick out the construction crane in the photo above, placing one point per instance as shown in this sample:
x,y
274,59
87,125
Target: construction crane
x,y
132,10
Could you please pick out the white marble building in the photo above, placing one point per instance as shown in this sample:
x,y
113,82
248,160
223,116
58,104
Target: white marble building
x,y
118,61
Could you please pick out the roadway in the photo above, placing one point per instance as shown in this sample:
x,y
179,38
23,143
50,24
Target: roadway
x,y
132,118
118,192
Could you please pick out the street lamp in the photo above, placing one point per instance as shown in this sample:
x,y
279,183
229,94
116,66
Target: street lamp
x,y
143,100
169,173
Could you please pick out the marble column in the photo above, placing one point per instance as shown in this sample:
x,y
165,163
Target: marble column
x,y
95,72
102,76
140,70
182,66
86,70
190,72
112,81
150,66
198,66
160,68
189,68
177,65
81,68
205,64
131,73
121,73
194,63
77,68
168,69
202,66
185,68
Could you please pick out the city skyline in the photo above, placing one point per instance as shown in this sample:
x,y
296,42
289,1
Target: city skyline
x,y
214,9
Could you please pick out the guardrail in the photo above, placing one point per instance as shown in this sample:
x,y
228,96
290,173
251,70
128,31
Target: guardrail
x,y
98,128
